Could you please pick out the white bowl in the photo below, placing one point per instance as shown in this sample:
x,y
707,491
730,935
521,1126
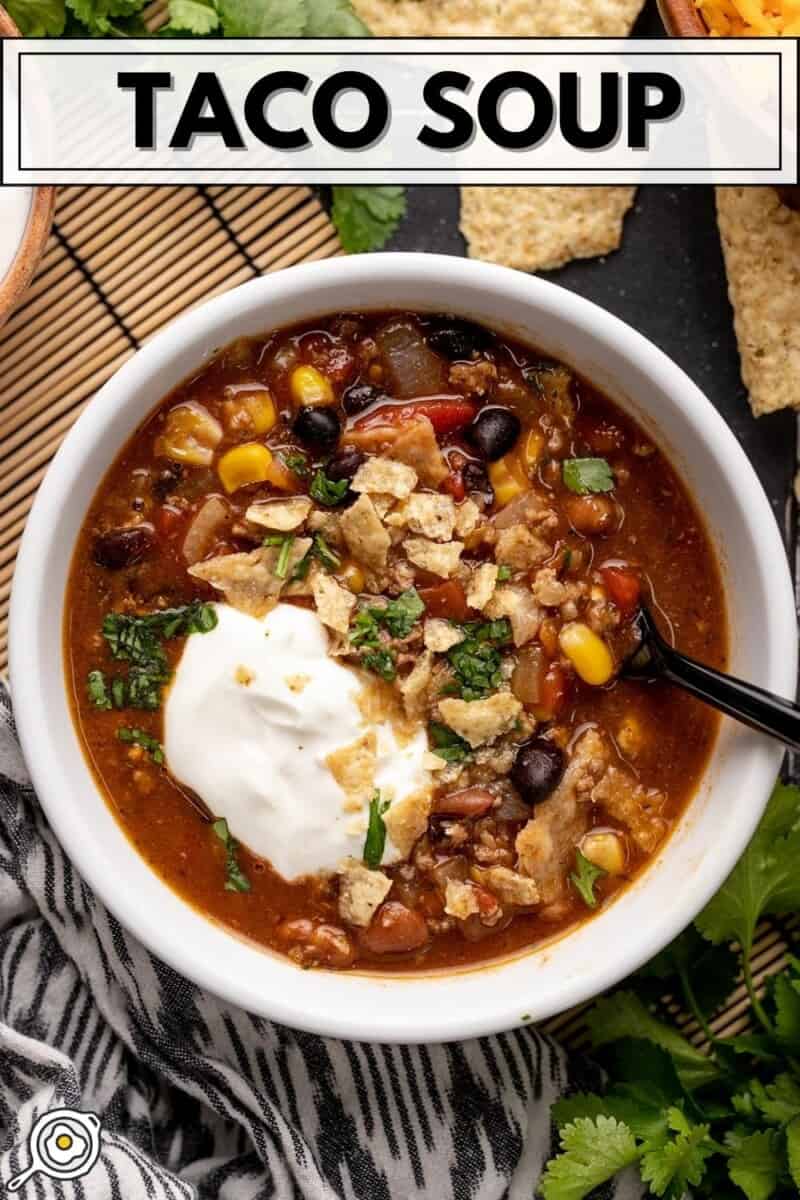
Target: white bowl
x,y
714,830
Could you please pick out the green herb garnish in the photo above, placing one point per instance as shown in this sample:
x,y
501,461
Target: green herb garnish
x,y
476,662
138,640
400,615
716,1123
382,663
503,573
447,744
364,629
585,475
297,463
367,216
235,878
323,552
376,832
138,737
285,541
328,492
97,690
585,878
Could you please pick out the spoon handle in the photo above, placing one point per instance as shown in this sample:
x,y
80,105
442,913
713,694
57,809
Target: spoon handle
x,y
752,705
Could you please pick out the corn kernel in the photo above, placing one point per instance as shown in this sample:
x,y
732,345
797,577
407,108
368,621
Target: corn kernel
x,y
190,435
605,850
587,652
532,450
244,464
310,386
251,412
352,577
508,479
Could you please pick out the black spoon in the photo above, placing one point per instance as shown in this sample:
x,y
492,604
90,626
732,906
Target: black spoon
x,y
654,658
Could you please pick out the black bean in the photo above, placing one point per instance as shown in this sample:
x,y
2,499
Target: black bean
x,y
457,339
475,479
344,463
537,769
494,431
318,426
120,548
360,396
167,480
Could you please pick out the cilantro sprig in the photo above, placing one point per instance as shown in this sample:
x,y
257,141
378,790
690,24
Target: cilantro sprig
x,y
721,1122
584,877
447,744
375,840
328,492
585,475
235,878
397,619
476,662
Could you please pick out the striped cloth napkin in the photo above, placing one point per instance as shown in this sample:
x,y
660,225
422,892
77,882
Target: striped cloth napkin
x,y
199,1099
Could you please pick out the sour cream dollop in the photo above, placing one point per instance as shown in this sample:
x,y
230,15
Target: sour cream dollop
x,y
253,712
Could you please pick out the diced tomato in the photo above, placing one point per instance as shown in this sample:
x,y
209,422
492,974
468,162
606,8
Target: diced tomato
x,y
454,485
447,600
332,357
554,692
623,587
446,416
169,521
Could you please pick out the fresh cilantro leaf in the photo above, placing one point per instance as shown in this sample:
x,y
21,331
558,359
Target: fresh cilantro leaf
x,y
191,16
778,1101
38,18
679,1162
97,690
263,18
756,1164
592,1152
793,1150
137,640
329,492
503,573
323,552
364,630
447,744
138,737
476,662
333,19
100,17
367,215
585,475
297,462
285,541
623,1015
707,973
644,1120
401,615
375,840
235,878
382,663
786,1000
585,878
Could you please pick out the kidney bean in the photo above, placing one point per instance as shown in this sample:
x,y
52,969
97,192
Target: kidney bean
x,y
395,929
591,515
315,944
118,548
468,802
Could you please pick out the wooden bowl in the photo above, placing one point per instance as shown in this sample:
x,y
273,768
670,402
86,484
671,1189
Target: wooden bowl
x,y
681,18
37,231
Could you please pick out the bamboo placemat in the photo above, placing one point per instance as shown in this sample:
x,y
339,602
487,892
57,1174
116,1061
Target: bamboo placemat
x,y
121,263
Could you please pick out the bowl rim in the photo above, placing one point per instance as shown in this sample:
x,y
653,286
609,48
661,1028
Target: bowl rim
x,y
37,229
29,600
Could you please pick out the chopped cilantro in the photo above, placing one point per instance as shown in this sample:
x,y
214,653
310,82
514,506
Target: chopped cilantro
x,y
297,462
585,475
97,690
381,662
476,662
367,216
285,541
503,573
138,737
447,744
138,640
328,492
364,630
585,878
323,552
375,840
400,615
235,878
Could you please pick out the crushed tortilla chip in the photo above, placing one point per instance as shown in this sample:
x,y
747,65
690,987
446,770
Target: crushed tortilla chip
x,y
383,476
281,515
417,447
440,635
366,538
761,244
494,18
361,892
248,580
353,768
479,721
334,603
516,602
482,582
460,899
406,820
414,686
437,557
468,518
427,513
508,886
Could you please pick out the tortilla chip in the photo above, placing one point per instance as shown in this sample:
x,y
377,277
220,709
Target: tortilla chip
x,y
493,18
282,515
366,538
334,603
406,820
541,228
482,583
440,635
440,558
761,244
427,513
415,686
417,447
361,892
248,580
353,768
460,899
383,476
479,721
